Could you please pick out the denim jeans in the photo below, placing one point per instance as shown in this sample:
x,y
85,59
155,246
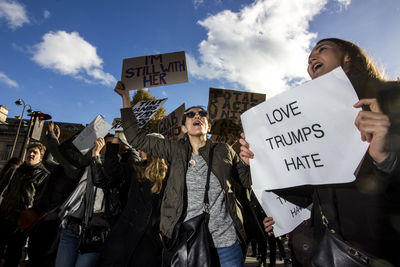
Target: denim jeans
x,y
67,255
231,256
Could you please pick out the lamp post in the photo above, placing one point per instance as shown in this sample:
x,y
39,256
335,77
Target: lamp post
x,y
19,102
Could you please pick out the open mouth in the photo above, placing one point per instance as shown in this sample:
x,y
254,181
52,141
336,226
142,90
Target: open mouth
x,y
317,66
197,123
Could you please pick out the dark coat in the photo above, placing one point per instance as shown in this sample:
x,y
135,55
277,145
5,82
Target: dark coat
x,y
134,239
24,186
363,212
230,171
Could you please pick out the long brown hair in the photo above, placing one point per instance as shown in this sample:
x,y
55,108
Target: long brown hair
x,y
153,169
363,73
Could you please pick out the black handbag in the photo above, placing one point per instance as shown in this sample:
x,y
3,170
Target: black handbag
x,y
95,228
191,243
333,251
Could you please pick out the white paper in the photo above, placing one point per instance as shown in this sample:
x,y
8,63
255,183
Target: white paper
x,y
146,109
305,135
287,216
97,128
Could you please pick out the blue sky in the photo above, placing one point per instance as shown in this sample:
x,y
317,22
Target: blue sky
x,y
64,57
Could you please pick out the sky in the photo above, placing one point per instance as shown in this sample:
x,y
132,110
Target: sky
x,y
65,57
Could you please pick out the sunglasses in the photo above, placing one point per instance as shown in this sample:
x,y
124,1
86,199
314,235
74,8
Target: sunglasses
x,y
191,114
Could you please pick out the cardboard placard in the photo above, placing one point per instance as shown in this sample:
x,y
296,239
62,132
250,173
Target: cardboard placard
x,y
225,107
170,126
154,70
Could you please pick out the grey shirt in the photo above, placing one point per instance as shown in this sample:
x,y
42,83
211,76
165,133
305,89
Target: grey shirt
x,y
221,225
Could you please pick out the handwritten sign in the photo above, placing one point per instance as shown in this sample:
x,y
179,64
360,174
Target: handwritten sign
x,y
154,70
144,110
305,135
170,126
287,216
97,128
225,107
117,127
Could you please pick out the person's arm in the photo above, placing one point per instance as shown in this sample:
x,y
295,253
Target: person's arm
x,y
136,137
100,176
52,145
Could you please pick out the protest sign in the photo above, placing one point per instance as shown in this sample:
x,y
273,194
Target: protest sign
x,y
287,216
305,135
225,107
154,70
117,127
144,110
97,128
170,126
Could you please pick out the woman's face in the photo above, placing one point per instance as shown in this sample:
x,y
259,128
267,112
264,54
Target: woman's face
x,y
325,57
196,126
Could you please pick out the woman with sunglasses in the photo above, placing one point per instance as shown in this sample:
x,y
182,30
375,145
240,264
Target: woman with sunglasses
x,y
184,192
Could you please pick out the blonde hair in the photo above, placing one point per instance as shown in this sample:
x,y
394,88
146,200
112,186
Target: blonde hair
x,y
154,170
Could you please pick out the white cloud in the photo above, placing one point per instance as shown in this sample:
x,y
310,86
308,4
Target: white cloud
x,y
197,3
263,47
5,79
14,13
70,54
344,3
46,14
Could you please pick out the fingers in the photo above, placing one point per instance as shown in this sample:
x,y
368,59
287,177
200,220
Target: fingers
x,y
245,153
371,102
268,225
372,124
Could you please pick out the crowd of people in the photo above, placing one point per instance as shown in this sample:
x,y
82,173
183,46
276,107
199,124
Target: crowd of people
x,y
122,203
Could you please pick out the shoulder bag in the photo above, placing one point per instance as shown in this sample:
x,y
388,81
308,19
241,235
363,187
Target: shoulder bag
x,y
334,251
191,243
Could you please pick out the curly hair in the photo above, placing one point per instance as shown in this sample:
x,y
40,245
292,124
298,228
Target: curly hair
x,y
39,146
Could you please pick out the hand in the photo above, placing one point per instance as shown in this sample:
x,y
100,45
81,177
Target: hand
x,y
124,93
374,127
50,127
268,222
57,131
245,152
98,145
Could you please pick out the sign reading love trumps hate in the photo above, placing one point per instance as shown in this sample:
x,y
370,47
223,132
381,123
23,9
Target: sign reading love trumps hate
x,y
154,70
305,135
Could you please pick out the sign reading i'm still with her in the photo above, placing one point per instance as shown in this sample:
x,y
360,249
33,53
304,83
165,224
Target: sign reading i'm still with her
x,y
154,70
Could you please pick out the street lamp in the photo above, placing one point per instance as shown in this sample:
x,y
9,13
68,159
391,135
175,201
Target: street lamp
x,y
19,102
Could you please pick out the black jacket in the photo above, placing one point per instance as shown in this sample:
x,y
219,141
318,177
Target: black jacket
x,y
24,187
138,222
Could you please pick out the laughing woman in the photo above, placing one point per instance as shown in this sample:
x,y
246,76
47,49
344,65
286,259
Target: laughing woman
x,y
189,161
364,212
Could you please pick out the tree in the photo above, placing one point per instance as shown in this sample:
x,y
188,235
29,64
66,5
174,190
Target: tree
x,y
144,95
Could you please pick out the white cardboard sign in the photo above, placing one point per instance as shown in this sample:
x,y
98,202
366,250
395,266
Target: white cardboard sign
x,y
97,128
146,109
154,70
287,215
305,135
